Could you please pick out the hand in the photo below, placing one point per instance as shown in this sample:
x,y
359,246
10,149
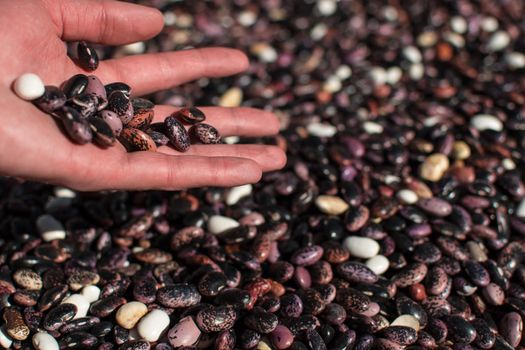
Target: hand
x,y
34,148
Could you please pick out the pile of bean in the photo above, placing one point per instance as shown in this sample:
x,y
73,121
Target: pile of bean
x,y
91,111
398,222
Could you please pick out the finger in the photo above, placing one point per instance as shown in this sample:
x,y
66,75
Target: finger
x,y
104,21
240,121
269,158
154,170
152,72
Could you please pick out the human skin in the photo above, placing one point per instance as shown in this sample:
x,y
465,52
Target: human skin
x,y
34,148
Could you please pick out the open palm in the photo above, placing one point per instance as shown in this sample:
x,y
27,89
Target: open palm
x,y
33,147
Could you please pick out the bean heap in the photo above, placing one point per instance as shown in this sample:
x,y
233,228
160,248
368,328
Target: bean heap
x,y
91,111
398,222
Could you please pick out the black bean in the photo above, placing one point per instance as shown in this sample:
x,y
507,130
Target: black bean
x,y
75,125
58,316
178,295
234,297
400,334
205,133
407,306
102,133
343,341
459,330
87,56
76,85
477,273
52,99
78,340
248,338
118,86
216,319
177,134
315,342
212,283
119,102
79,324
102,329
106,306
291,305
484,336
261,321
356,272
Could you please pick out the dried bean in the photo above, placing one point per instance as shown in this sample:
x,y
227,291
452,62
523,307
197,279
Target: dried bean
x,y
87,56
177,134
